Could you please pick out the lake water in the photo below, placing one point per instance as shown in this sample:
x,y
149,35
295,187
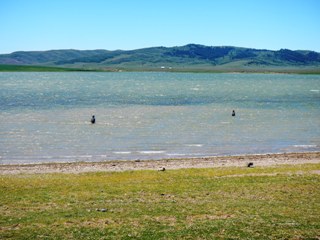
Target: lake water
x,y
45,117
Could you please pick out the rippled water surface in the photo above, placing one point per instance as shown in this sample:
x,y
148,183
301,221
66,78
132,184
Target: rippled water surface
x,y
45,117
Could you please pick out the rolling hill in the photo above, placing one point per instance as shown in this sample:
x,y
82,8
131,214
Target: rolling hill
x,y
191,57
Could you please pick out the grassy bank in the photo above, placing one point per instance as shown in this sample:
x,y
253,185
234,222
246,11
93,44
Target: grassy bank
x,y
21,68
186,69
236,203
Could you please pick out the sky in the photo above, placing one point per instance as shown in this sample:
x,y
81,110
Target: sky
x,y
37,25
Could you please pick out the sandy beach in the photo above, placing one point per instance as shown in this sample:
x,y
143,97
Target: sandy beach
x,y
167,164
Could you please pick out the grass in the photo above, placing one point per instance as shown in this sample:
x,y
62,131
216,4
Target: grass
x,y
222,203
28,68
139,68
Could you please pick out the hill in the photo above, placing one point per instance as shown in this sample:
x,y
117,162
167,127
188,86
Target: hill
x,y
191,57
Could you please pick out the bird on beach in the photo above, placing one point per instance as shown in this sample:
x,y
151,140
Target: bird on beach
x,y
250,164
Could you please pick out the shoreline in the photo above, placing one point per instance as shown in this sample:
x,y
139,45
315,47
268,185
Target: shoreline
x,y
43,68
258,160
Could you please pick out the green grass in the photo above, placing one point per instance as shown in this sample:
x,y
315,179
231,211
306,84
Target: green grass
x,y
139,68
222,203
21,68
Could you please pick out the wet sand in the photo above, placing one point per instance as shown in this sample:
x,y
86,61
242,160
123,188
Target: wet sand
x,y
167,164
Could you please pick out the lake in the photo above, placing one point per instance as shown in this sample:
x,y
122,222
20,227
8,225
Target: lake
x,y
45,117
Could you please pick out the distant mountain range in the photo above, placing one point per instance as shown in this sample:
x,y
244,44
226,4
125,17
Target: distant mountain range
x,y
191,57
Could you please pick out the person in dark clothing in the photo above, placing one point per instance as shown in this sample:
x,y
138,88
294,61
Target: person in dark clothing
x,y
93,120
233,113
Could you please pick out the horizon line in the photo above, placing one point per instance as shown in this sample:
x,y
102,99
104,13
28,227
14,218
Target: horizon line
x,y
111,50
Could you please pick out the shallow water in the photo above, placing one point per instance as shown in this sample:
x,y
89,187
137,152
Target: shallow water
x,y
45,117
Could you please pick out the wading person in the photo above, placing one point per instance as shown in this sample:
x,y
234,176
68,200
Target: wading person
x,y
93,120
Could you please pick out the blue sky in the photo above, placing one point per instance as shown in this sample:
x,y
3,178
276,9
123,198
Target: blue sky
x,y
131,24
